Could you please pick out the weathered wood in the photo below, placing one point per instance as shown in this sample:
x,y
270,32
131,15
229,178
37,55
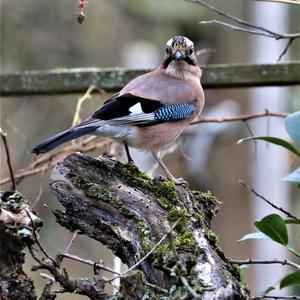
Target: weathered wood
x,y
16,233
129,212
62,81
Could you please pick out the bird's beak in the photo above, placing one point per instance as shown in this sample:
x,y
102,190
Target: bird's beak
x,y
178,56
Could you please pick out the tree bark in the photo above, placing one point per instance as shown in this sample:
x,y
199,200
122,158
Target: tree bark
x,y
16,233
129,212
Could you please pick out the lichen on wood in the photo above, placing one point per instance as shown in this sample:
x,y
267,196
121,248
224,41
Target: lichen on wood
x,y
130,212
16,233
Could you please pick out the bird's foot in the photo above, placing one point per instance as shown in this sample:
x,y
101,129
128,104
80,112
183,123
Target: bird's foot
x,y
180,181
130,162
177,181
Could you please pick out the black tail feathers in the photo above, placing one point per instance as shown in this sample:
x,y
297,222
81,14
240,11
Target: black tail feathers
x,y
60,138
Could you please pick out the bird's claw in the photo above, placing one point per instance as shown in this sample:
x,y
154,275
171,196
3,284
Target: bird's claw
x,y
177,181
180,181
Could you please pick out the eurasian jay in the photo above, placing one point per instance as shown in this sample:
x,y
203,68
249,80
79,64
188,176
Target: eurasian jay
x,y
151,111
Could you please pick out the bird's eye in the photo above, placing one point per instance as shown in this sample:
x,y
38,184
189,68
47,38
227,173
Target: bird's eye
x,y
168,50
191,51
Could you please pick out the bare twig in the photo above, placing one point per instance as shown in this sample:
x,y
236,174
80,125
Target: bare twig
x,y
250,27
89,262
11,173
282,1
246,117
86,96
74,236
47,276
146,256
274,34
286,48
237,28
156,287
36,237
268,201
264,262
51,159
275,297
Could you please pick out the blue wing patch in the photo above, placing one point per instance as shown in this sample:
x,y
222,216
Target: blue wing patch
x,y
173,112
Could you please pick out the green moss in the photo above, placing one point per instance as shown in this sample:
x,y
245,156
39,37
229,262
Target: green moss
x,y
211,203
132,175
144,237
163,257
236,271
165,191
185,240
179,215
99,192
200,218
211,236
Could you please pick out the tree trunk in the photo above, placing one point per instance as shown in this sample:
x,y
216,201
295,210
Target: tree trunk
x,y
129,212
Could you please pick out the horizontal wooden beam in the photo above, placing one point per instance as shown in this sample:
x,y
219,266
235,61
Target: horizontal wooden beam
x,y
63,81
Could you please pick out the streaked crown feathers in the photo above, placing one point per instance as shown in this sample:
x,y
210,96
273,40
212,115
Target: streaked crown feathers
x,y
180,43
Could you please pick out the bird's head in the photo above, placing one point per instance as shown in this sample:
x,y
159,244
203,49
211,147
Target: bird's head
x,y
179,55
180,48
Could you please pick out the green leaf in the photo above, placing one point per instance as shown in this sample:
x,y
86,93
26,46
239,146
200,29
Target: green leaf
x,y
274,227
291,279
292,126
273,140
292,221
293,177
268,290
254,236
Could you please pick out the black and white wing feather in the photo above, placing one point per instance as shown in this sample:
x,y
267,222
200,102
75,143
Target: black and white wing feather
x,y
134,111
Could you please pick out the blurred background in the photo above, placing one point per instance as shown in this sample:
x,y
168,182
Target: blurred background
x,y
45,35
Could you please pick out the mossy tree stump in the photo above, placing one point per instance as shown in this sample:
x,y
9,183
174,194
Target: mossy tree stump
x,y
129,212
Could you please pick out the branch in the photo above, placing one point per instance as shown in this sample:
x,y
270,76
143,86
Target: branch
x,y
264,262
237,28
89,262
275,297
246,117
12,178
254,29
268,201
48,161
274,34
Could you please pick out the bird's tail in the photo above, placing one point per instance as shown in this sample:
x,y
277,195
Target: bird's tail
x,y
60,138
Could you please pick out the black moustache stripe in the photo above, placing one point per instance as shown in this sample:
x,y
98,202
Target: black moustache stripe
x,y
189,61
167,62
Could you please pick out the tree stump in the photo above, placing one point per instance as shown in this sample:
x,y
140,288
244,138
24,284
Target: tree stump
x,y
16,232
129,212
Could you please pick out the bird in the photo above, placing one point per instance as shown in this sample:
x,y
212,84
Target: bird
x,y
151,111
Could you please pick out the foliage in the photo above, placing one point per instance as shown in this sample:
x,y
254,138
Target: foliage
x,y
292,126
273,226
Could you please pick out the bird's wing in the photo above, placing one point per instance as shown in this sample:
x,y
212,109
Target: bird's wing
x,y
132,110
147,100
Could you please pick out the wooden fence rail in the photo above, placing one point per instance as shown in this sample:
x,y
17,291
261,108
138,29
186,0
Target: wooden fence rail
x,y
63,81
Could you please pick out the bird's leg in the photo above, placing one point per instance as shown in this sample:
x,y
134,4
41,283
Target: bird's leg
x,y
179,181
130,160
